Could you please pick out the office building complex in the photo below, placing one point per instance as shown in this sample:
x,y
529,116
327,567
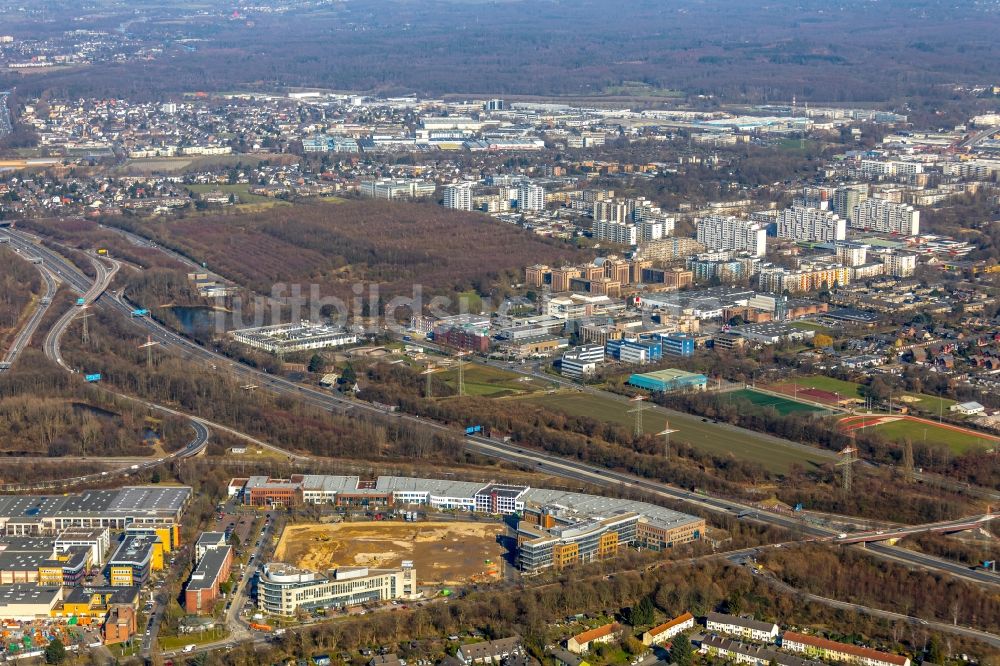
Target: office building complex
x,y
799,223
397,188
134,560
572,518
886,217
287,338
458,196
678,344
283,589
724,232
581,362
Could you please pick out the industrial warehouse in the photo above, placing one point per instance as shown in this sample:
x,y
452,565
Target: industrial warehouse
x,y
554,528
29,515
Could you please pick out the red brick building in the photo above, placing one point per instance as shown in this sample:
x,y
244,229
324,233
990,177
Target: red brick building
x,y
204,586
120,624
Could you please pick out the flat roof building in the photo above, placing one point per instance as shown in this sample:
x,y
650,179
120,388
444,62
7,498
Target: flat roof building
x,y
287,338
284,589
115,509
668,380
28,602
203,588
134,559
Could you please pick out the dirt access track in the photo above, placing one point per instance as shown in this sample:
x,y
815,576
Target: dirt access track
x,y
443,553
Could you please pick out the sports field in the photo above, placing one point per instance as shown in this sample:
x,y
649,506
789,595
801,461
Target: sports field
x,y
830,385
715,438
783,406
819,388
490,382
443,553
901,428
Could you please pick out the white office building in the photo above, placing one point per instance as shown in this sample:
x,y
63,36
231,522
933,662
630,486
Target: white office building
x,y
396,188
530,197
458,196
886,217
582,361
800,223
725,232
283,589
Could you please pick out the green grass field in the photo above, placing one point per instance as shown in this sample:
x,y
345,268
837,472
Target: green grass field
x,y
823,383
713,438
783,406
928,404
915,431
809,326
491,382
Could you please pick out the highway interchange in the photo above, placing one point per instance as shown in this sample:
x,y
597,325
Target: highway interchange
x,y
96,294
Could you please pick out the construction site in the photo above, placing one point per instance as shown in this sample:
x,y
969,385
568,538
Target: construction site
x,y
446,553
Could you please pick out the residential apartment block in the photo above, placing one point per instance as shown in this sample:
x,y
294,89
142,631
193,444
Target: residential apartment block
x,y
753,655
800,223
887,217
725,232
662,633
746,628
823,648
585,641
806,278
458,196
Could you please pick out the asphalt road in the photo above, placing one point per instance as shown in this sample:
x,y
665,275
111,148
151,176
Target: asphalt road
x,y
23,337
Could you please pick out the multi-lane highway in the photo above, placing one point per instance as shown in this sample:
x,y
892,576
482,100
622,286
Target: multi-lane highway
x,y
23,337
943,527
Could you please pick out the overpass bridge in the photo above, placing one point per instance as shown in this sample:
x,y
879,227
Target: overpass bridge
x,y
894,534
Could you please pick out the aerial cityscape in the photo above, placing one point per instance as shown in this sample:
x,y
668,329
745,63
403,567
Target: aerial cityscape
x,y
520,333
